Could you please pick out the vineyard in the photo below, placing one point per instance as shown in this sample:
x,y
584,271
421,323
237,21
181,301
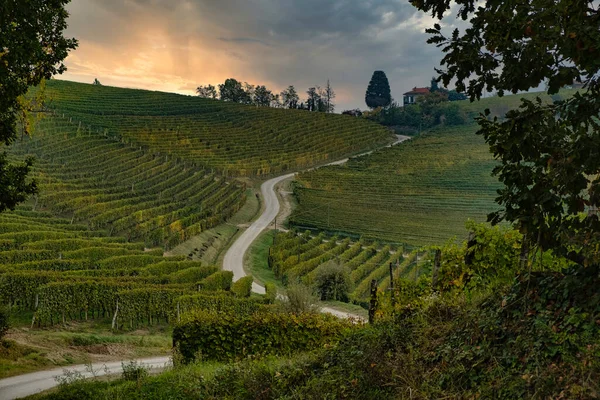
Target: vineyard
x,y
234,139
418,193
297,257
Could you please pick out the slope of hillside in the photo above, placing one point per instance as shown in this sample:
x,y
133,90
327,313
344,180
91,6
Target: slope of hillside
x,y
420,192
236,139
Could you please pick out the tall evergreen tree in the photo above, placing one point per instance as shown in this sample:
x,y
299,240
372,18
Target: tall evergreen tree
x,y
378,93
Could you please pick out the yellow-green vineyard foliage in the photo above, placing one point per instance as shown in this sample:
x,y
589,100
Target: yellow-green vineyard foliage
x,y
232,138
297,257
418,193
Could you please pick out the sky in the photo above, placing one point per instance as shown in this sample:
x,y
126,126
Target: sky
x,y
176,45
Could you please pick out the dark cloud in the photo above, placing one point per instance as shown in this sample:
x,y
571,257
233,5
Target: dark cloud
x,y
180,43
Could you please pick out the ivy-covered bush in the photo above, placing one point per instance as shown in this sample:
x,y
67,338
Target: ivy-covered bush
x,y
227,336
242,287
220,280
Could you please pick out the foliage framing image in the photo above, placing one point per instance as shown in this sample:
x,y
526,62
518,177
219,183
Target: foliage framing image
x,y
548,152
32,48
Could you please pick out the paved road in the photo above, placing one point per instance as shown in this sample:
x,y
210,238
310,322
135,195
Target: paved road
x,y
234,258
36,382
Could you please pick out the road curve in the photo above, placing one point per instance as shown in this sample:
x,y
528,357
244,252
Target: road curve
x,y
36,382
234,258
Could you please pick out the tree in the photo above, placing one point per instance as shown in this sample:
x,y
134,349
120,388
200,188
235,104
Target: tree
x,y
548,152
96,82
262,96
312,102
378,92
333,281
249,93
32,48
321,104
276,101
434,86
290,98
207,92
328,97
233,91
453,95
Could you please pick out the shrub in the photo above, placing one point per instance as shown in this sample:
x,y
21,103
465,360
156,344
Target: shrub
x,y
242,287
4,316
192,275
300,299
220,280
333,281
132,371
270,293
227,336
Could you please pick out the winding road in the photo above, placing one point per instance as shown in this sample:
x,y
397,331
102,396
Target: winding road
x,y
234,258
36,382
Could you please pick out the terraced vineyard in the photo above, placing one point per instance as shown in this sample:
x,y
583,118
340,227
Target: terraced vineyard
x,y
298,257
231,138
420,192
126,190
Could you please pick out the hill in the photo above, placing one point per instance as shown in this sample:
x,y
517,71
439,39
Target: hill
x,y
418,193
232,138
125,175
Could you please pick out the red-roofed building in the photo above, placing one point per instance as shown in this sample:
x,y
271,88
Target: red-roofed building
x,y
411,97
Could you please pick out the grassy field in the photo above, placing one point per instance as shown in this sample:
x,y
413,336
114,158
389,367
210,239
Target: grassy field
x,y
231,138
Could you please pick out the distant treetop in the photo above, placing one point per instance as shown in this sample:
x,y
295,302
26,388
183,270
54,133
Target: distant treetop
x,y
378,92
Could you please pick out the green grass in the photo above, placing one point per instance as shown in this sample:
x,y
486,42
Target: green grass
x,y
256,262
346,307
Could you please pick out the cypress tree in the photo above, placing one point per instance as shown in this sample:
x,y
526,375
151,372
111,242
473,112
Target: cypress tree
x,y
378,93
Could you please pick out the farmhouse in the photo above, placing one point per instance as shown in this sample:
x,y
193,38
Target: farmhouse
x,y
411,97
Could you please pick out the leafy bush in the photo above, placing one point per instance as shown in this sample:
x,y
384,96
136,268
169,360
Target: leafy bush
x,y
333,281
220,280
192,275
270,293
242,287
132,371
227,336
300,299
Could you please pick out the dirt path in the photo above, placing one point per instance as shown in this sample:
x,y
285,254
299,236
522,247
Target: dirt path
x,y
234,258
36,382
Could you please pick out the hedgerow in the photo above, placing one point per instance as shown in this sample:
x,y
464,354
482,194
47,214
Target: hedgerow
x,y
226,336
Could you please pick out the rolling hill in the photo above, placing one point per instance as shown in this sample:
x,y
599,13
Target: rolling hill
x,y
418,193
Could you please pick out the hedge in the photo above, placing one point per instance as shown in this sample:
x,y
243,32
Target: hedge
x,y
220,280
227,336
242,287
218,303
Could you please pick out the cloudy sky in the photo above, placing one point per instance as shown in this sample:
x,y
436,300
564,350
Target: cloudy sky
x,y
176,45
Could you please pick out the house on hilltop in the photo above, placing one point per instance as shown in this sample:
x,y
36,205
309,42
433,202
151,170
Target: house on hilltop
x,y
411,97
